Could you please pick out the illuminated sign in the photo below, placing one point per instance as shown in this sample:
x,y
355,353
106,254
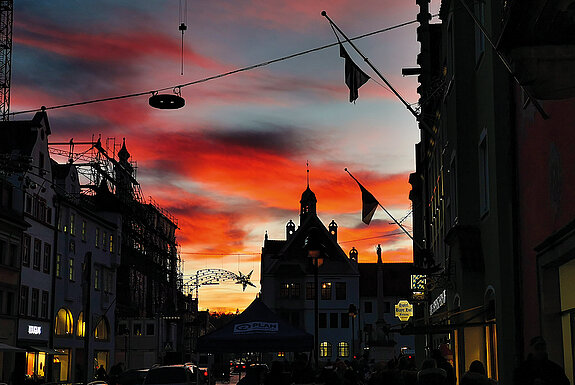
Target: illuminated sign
x,y
418,282
256,327
33,329
439,302
403,310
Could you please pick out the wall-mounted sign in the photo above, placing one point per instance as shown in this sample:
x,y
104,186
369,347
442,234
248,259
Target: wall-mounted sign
x,y
418,282
439,302
34,329
403,310
256,327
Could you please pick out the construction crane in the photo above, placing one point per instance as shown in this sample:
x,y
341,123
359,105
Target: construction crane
x,y
6,23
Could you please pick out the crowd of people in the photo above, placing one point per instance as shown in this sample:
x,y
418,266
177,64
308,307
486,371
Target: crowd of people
x,y
536,369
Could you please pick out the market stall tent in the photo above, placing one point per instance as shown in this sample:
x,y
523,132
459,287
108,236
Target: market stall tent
x,y
256,329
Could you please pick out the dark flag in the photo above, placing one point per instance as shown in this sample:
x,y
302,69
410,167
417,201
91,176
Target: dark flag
x,y
354,76
369,204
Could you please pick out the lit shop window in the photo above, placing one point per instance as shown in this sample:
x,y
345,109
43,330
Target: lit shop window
x,y
343,349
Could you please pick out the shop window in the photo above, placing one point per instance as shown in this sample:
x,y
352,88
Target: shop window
x,y
343,349
81,327
340,290
102,331
325,349
326,290
64,322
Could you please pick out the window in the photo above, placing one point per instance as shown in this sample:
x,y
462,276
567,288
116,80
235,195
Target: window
x,y
58,265
333,320
26,246
49,215
387,307
24,300
44,304
71,269
322,320
97,279
47,257
150,329
64,324
123,329
111,245
37,251
343,349
483,175
345,320
72,224
340,290
104,240
2,252
10,303
81,327
97,236
368,307
72,246
137,329
326,290
284,290
84,230
34,302
28,204
294,290
309,290
102,331
13,255
325,349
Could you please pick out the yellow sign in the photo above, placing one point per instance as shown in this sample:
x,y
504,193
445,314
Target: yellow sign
x,y
403,310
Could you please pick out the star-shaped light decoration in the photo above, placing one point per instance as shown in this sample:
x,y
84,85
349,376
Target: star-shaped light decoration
x,y
245,280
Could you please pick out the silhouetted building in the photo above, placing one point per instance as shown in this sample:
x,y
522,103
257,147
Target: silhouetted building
x,y
490,196
288,282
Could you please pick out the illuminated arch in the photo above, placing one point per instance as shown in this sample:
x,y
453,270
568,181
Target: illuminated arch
x,y
343,349
325,349
81,326
102,331
64,324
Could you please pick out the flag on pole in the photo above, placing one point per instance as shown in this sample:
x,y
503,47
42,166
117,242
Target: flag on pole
x,y
354,76
369,204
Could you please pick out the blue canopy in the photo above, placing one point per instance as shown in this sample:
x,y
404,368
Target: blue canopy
x,y
256,329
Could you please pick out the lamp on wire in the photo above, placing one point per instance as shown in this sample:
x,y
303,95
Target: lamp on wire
x,y
167,101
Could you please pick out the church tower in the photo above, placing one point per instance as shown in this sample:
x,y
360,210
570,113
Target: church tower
x,y
307,202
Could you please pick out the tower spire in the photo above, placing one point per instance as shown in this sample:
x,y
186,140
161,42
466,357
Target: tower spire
x,y
307,164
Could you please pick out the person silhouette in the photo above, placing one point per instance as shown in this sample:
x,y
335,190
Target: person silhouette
x,y
538,369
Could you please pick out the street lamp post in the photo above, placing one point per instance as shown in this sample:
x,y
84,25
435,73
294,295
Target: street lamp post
x,y
352,311
314,251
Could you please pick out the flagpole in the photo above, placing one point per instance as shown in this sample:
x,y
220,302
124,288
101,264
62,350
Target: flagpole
x,y
391,216
407,105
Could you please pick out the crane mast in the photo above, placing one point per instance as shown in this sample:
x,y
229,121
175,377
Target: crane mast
x,y
6,23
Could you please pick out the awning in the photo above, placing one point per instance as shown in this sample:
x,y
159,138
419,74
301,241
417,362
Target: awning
x,y
441,329
46,350
10,348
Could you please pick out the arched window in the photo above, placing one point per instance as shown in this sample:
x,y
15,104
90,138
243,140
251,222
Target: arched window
x,y
64,324
102,331
325,349
343,349
81,327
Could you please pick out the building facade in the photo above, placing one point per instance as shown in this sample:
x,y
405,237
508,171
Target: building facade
x,y
290,282
490,202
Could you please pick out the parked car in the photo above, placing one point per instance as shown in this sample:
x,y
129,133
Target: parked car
x,y
131,377
174,375
239,367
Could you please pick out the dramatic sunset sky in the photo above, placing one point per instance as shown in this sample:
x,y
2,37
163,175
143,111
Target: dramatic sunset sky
x,y
231,164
